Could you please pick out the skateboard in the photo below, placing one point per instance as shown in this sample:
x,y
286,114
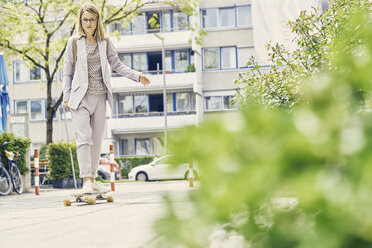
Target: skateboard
x,y
90,199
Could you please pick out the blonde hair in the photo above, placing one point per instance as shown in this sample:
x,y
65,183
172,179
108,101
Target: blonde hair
x,y
91,8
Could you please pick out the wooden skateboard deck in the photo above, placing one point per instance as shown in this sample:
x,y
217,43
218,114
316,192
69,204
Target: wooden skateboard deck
x,y
90,199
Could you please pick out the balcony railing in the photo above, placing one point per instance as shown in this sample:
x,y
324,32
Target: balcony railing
x,y
154,72
154,113
149,123
148,31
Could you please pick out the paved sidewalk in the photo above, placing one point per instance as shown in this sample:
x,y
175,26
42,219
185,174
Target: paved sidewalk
x,y
42,221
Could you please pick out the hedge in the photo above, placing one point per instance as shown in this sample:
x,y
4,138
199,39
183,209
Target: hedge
x,y
58,155
42,153
127,163
20,144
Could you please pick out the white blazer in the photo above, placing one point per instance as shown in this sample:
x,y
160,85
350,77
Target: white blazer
x,y
76,82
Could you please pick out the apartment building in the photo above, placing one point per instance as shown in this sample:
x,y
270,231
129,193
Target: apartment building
x,y
199,79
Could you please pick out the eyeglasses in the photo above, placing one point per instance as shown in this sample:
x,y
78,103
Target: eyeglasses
x,y
91,20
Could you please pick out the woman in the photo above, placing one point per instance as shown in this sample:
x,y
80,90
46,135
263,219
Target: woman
x,y
87,87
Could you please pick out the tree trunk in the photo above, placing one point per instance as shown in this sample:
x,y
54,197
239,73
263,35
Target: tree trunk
x,y
49,128
49,108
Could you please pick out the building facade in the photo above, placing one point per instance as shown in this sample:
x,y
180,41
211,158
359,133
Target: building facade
x,y
199,79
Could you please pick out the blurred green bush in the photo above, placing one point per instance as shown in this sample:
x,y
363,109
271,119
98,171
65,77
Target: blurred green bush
x,y
318,157
127,163
20,144
58,155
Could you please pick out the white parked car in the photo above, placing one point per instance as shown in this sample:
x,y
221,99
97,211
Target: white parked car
x,y
160,169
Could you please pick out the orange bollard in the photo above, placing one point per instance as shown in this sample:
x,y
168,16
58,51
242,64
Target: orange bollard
x,y
112,170
36,166
191,174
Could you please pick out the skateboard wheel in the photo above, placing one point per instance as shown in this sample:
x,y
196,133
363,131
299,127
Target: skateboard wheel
x,y
91,200
110,198
66,202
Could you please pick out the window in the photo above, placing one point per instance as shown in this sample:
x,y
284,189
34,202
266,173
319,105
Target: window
x,y
36,111
139,24
119,27
153,22
63,31
193,101
183,101
325,5
141,103
126,59
244,16
156,103
230,17
140,62
227,17
213,103
244,54
169,102
58,76
167,21
154,59
165,160
228,57
168,61
143,147
20,72
211,58
175,61
46,113
227,102
209,18
181,61
179,21
21,107
35,73
124,148
126,105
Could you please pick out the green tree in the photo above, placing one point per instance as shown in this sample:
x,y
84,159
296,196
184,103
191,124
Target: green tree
x,y
279,179
37,31
315,32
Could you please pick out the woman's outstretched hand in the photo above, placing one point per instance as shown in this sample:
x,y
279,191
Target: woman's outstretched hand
x,y
144,80
66,106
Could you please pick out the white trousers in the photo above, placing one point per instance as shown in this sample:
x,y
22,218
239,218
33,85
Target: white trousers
x,y
89,122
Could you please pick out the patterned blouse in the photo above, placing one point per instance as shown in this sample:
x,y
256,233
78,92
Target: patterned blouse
x,y
96,86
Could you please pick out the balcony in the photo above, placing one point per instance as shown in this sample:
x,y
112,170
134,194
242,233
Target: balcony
x,y
173,81
148,42
149,124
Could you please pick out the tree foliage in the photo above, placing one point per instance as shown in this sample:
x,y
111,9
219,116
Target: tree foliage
x,y
315,32
299,179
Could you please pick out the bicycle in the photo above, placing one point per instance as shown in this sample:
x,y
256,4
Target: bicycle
x,y
15,173
5,180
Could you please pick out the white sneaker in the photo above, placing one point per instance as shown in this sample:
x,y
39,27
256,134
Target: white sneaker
x,y
87,188
99,187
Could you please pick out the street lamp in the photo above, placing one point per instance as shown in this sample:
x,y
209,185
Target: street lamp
x,y
164,91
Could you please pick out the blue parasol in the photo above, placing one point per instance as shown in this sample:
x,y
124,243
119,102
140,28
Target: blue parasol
x,y
4,97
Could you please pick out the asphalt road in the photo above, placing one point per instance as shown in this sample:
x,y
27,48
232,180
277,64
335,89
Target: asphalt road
x,y
42,221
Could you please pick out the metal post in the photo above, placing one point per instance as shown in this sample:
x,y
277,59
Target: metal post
x,y
164,92
69,147
164,97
